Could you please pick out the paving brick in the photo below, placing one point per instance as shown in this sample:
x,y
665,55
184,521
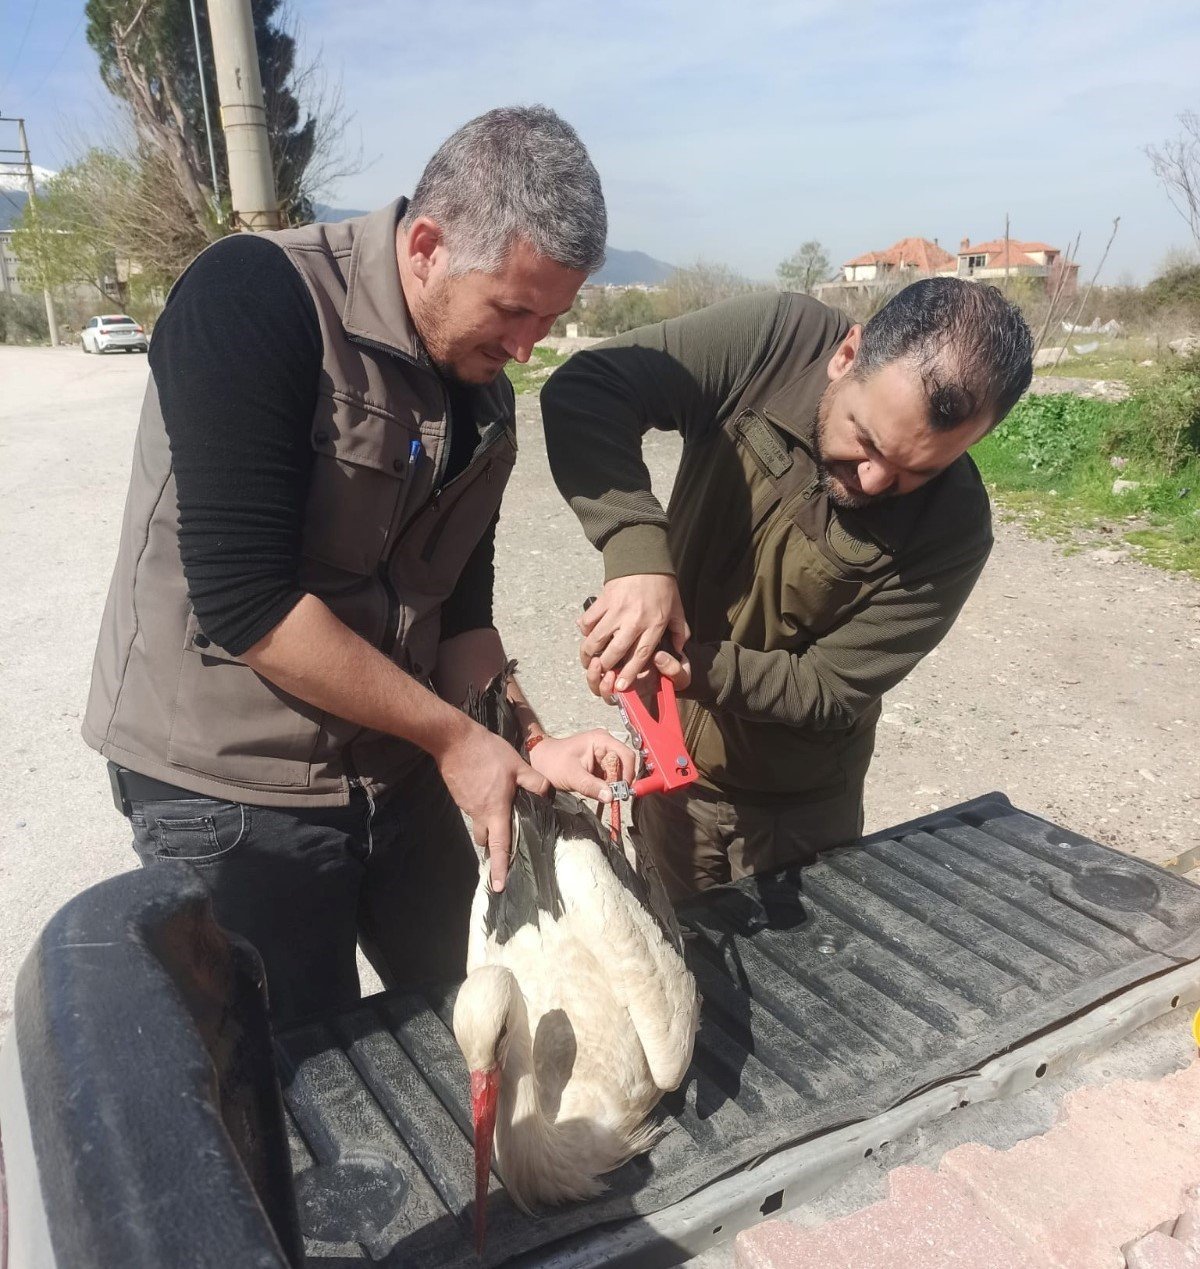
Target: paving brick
x,y
1157,1251
1116,1165
1187,1227
926,1222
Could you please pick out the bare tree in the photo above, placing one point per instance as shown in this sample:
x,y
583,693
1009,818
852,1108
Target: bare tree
x,y
332,153
116,222
700,285
139,45
1176,163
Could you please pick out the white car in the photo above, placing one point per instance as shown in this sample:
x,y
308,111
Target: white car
x,y
112,333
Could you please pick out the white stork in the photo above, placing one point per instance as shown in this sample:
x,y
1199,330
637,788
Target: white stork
x,y
578,1012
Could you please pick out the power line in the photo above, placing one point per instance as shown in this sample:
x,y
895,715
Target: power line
x,y
61,51
31,188
21,47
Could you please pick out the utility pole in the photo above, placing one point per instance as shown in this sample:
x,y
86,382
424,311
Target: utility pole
x,y
243,116
1006,255
26,165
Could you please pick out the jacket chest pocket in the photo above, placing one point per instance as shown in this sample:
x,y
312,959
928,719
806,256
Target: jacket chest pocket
x,y
362,479
795,594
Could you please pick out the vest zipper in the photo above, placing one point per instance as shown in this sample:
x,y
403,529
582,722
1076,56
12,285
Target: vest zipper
x,y
391,612
391,619
435,535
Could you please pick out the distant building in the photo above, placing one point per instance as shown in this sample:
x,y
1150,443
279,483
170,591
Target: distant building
x,y
994,261
597,290
10,282
912,258
901,263
97,295
916,254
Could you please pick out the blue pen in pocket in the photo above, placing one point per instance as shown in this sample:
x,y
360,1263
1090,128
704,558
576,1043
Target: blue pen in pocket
x,y
414,452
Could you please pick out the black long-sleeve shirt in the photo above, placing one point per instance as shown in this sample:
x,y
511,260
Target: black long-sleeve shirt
x,y
236,358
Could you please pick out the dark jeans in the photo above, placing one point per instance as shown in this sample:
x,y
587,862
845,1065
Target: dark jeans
x,y
305,885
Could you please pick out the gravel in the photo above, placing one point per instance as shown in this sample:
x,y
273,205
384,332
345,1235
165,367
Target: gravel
x,y
1069,683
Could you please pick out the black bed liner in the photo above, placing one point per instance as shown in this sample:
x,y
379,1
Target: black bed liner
x,y
831,994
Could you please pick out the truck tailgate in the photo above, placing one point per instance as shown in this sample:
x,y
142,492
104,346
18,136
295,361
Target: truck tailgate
x,y
950,959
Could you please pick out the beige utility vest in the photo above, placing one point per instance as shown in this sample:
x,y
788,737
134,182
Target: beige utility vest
x,y
383,547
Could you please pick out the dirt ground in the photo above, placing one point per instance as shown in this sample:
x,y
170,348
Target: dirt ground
x,y
1069,683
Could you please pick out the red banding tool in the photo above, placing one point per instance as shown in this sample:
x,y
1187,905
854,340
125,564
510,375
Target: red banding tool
x,y
658,736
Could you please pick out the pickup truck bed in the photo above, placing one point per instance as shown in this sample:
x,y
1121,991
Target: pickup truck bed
x,y
948,960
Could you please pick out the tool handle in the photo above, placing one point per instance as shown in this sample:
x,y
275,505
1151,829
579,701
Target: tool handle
x,y
659,736
668,764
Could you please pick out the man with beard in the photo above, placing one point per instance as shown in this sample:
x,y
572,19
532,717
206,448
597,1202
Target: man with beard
x,y
825,528
303,591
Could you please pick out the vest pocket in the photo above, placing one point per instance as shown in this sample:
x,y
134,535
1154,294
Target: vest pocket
x,y
231,724
361,473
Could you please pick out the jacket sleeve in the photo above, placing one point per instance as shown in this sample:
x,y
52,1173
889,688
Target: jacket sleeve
x,y
679,375
236,356
832,682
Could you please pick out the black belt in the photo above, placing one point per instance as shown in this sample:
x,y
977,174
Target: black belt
x,y
131,786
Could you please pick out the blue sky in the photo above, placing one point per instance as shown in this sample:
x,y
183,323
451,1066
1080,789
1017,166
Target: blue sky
x,y
733,132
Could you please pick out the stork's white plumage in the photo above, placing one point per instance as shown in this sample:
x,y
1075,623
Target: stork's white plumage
x,y
578,1012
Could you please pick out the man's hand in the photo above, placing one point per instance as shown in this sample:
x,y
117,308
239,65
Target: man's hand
x,y
576,763
483,773
676,668
624,627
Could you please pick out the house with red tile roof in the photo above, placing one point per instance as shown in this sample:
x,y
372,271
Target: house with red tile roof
x,y
912,258
899,264
999,259
916,254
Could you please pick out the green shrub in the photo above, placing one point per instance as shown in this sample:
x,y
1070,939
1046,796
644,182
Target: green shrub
x,y
1177,288
23,320
1162,426
1052,461
1051,434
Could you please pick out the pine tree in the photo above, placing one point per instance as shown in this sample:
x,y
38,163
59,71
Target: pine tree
x,y
148,59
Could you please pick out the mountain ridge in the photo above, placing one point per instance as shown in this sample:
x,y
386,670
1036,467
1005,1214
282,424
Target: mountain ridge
x,y
620,268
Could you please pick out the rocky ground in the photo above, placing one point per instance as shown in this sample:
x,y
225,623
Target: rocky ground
x,y
1069,683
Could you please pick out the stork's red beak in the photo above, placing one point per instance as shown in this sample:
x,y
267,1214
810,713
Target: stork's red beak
x,y
485,1092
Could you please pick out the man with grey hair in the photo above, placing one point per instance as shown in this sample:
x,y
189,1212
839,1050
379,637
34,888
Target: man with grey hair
x,y
303,591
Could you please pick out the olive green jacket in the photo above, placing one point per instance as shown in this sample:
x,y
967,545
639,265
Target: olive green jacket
x,y
803,614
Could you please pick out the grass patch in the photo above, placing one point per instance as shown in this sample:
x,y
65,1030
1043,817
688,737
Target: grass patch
x,y
1114,359
1051,464
535,372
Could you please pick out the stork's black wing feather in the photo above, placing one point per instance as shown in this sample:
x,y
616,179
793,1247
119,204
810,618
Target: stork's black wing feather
x,y
540,823
532,886
492,709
